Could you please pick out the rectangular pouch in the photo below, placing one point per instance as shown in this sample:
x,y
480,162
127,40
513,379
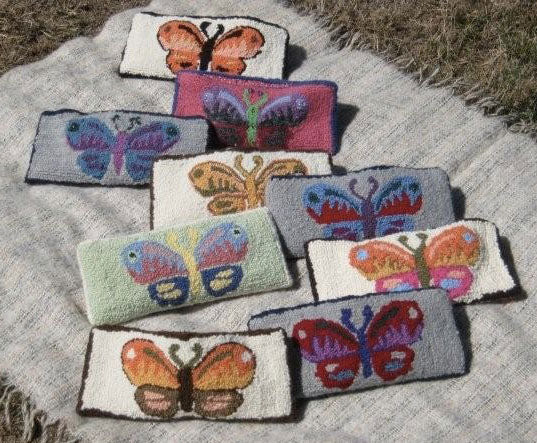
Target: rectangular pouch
x,y
135,275
189,188
358,205
264,114
160,46
464,258
109,148
142,375
354,343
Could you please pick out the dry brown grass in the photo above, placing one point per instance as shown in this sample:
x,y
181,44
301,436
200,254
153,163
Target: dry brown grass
x,y
489,43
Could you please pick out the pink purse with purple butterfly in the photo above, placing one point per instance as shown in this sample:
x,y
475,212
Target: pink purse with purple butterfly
x,y
109,148
254,113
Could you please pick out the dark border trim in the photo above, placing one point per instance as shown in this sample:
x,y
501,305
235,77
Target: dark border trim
x,y
94,412
213,18
334,149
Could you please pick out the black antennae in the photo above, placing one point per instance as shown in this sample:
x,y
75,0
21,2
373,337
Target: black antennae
x,y
203,27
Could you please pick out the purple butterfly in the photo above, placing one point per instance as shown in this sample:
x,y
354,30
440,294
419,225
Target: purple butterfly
x,y
136,148
249,123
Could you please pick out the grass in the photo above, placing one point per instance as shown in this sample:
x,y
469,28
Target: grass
x,y
489,44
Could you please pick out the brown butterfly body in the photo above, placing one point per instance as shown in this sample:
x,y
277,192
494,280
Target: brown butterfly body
x,y
190,47
209,388
233,192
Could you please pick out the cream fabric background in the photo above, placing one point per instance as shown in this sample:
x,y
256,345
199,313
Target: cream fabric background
x,y
386,118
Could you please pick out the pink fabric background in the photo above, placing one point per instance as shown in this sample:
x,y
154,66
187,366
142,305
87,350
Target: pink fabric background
x,y
315,133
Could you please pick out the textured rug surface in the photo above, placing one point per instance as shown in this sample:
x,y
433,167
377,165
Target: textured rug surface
x,y
386,118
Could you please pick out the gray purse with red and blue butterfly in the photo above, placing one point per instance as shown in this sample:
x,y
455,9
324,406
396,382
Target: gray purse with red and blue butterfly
x,y
109,148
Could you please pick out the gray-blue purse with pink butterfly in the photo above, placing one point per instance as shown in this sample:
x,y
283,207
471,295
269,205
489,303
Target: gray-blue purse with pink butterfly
x,y
109,148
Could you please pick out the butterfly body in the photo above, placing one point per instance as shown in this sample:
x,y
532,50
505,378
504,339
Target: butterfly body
x,y
190,47
444,261
174,272
205,385
239,121
133,147
382,211
238,189
381,344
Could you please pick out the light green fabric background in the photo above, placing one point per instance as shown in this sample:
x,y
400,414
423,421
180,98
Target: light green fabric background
x,y
112,296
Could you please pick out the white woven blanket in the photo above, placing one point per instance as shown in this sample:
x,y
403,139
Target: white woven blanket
x,y
386,118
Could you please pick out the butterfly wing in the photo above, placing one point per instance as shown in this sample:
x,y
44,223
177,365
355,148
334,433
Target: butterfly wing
x,y
278,167
215,179
394,203
392,331
288,110
146,143
332,348
154,264
391,267
218,255
95,140
224,369
227,113
154,375
184,41
450,256
233,47
332,206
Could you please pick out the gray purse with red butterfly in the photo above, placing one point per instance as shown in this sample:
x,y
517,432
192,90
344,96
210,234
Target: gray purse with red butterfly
x,y
109,148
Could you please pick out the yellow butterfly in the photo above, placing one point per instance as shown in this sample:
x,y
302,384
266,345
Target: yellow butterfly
x,y
233,193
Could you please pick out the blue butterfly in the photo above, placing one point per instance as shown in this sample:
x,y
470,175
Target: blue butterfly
x,y
354,217
136,148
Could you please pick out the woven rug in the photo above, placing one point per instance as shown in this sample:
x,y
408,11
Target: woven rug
x,y
385,118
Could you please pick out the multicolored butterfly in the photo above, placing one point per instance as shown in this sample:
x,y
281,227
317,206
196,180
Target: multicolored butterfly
x,y
356,218
136,147
191,47
444,261
173,272
248,124
233,193
209,387
381,344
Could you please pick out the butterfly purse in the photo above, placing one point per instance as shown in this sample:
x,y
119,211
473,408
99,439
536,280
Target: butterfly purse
x,y
463,258
142,375
222,183
162,46
358,205
353,343
136,275
254,113
109,148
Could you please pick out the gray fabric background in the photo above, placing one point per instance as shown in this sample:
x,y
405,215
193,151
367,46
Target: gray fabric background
x,y
55,160
284,200
438,353
386,118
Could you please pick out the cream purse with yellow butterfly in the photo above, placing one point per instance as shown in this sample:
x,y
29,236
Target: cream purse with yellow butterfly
x,y
189,188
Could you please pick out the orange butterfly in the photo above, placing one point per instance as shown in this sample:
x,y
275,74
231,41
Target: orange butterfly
x,y
233,193
209,387
191,47
443,262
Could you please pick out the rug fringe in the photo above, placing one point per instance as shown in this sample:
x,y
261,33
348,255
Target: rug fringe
x,y
20,419
472,95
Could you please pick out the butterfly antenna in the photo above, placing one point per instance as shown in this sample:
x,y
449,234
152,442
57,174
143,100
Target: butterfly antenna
x,y
246,97
172,350
352,185
115,119
374,187
193,237
219,31
258,161
403,239
238,166
198,350
203,27
423,238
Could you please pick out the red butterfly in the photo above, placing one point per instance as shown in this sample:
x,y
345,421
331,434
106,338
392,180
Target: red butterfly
x,y
191,47
381,344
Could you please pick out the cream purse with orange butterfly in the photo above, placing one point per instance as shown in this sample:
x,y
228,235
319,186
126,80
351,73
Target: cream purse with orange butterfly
x,y
189,188
142,375
161,46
